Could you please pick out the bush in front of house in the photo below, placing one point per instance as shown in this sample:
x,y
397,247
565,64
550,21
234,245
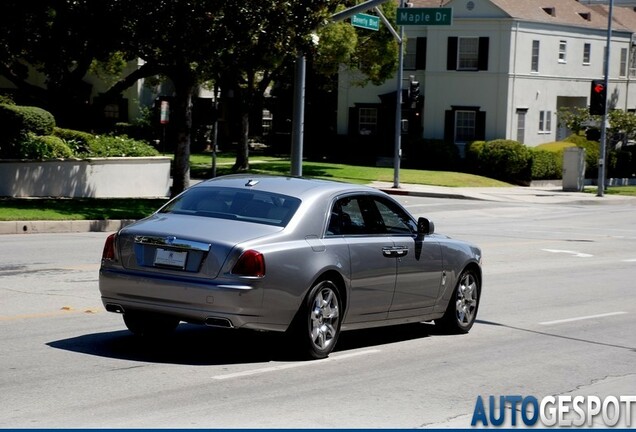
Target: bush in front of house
x,y
44,147
505,160
78,141
119,146
15,124
546,164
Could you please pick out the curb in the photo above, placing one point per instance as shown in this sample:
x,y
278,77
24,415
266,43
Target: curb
x,y
404,192
56,227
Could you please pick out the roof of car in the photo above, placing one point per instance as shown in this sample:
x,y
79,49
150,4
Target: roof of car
x,y
293,186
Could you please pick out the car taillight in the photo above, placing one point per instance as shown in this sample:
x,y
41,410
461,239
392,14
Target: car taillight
x,y
109,248
250,263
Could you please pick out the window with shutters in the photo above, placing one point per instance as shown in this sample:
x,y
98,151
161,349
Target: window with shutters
x,y
415,54
467,53
465,125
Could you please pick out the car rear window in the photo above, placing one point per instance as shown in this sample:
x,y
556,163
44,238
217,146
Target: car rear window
x,y
236,204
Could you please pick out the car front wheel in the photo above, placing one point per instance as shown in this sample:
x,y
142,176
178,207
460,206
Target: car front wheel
x,y
317,326
462,308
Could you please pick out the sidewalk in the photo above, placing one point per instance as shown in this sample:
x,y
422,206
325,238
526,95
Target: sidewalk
x,y
538,195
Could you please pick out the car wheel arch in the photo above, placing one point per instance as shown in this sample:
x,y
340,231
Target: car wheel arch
x,y
337,278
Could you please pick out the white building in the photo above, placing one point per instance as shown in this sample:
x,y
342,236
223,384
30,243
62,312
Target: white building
x,y
502,69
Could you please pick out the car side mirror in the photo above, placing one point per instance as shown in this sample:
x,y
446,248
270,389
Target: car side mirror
x,y
425,226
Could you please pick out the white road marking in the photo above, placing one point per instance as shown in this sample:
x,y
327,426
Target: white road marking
x,y
291,365
573,253
630,260
582,318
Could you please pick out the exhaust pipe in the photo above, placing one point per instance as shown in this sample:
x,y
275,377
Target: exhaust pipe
x,y
112,307
218,322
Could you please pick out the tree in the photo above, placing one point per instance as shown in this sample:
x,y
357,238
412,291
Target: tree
x,y
242,46
61,40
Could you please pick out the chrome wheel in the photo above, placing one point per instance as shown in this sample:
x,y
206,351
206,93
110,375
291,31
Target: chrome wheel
x,y
315,329
461,311
466,300
324,317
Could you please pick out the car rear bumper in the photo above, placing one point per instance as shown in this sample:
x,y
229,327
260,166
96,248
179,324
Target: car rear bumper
x,y
230,305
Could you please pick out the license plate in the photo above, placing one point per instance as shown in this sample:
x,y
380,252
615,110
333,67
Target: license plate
x,y
164,257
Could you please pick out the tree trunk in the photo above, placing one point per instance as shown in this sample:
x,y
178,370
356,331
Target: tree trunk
x,y
182,118
242,153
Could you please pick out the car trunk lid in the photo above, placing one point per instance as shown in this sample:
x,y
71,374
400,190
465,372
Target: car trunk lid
x,y
169,243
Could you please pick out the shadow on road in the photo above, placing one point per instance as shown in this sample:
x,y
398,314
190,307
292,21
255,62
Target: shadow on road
x,y
200,346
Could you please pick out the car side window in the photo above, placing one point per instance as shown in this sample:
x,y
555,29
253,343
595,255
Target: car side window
x,y
355,216
394,219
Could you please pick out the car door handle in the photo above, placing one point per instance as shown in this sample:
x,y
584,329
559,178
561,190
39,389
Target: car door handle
x,y
395,252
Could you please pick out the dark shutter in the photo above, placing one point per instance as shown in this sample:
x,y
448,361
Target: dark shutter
x,y
480,125
483,53
451,54
420,54
449,126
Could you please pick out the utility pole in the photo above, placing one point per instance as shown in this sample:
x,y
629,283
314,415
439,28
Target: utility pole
x,y
299,91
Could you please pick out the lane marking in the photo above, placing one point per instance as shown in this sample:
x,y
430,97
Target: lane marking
x,y
629,260
582,318
569,252
291,365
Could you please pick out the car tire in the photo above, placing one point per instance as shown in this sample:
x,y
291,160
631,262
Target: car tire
x,y
316,328
149,325
461,311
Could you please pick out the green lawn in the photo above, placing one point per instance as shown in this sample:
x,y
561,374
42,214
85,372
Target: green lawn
x,y
100,209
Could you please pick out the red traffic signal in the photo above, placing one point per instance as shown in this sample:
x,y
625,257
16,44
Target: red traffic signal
x,y
598,97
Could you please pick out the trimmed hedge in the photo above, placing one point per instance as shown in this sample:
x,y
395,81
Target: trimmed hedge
x,y
15,124
44,147
119,146
505,160
546,164
78,141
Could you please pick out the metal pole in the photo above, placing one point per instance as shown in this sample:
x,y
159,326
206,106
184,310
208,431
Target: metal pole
x,y
398,110
602,156
299,118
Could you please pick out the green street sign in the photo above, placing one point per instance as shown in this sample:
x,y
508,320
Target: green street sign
x,y
369,22
424,16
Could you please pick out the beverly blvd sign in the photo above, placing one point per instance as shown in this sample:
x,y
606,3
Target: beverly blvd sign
x,y
369,22
424,16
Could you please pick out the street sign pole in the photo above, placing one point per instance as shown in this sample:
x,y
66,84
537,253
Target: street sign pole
x,y
397,151
299,96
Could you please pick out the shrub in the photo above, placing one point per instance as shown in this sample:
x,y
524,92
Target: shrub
x,y
119,146
546,165
505,160
16,122
79,142
473,150
44,147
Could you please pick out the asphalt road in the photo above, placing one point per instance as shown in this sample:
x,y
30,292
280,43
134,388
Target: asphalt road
x,y
557,318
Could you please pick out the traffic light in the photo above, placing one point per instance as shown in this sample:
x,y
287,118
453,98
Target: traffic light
x,y
598,97
414,92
